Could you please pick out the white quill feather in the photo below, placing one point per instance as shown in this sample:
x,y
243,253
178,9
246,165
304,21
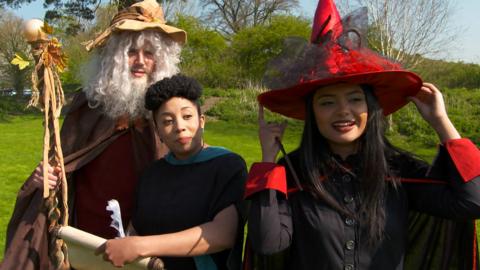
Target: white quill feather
x,y
114,207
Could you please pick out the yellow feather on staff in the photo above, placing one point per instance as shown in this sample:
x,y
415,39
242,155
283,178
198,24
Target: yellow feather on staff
x,y
47,95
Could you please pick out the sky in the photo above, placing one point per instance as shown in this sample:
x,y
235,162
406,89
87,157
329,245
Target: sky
x,y
466,47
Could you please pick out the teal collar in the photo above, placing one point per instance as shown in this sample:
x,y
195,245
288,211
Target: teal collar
x,y
205,154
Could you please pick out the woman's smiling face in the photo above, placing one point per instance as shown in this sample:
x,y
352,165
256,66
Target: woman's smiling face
x,y
341,115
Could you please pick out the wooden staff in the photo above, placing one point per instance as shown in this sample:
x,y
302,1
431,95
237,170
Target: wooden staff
x,y
47,95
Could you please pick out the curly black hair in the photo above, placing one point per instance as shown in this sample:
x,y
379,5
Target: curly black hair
x,y
176,86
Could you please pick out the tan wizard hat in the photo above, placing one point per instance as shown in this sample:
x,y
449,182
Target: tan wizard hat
x,y
147,14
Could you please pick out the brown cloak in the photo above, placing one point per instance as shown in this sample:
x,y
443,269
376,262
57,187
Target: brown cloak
x,y
85,134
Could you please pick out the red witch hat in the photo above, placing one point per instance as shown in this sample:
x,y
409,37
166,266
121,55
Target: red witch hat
x,y
335,55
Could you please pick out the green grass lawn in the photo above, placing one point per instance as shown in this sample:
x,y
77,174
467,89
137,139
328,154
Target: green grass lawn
x,y
243,139
21,150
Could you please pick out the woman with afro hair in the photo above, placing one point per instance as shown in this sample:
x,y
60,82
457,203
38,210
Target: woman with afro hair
x,y
187,203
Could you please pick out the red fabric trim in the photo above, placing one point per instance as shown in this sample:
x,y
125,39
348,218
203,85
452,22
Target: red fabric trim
x,y
466,157
272,176
422,181
292,190
266,176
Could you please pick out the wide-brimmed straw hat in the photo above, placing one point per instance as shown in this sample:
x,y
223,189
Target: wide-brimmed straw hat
x,y
147,14
336,54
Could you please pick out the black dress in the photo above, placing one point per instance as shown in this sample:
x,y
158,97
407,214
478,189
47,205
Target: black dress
x,y
175,195
312,235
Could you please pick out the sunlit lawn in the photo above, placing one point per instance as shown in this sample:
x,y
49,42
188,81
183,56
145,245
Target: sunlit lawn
x,y
20,151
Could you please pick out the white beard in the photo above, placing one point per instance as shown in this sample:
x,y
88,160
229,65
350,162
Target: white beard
x,y
128,100
108,81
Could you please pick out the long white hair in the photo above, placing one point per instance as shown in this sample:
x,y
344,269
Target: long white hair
x,y
108,82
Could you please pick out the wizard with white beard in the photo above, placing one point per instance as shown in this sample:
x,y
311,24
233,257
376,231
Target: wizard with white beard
x,y
107,136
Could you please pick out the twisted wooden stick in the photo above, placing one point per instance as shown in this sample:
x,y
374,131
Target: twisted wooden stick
x,y
48,96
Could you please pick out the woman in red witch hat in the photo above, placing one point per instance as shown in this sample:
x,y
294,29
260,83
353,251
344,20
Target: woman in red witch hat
x,y
347,198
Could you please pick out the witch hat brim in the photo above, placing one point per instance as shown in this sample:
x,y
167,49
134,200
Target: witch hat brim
x,y
391,88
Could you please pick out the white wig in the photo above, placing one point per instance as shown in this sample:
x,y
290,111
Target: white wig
x,y
109,83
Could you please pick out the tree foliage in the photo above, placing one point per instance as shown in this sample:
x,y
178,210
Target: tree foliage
x,y
233,61
254,46
230,16
77,58
217,62
205,56
408,30
12,42
76,13
74,48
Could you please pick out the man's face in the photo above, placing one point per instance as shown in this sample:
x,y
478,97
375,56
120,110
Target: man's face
x,y
141,62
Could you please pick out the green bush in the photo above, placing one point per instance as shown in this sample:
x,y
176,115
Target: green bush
x,y
3,116
206,56
13,105
238,105
450,74
463,107
253,47
241,106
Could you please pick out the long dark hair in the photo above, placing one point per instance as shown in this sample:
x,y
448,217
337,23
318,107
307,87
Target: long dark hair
x,y
317,164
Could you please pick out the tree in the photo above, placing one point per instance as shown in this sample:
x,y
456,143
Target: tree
x,y
205,55
407,30
74,48
11,42
231,16
254,46
77,13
